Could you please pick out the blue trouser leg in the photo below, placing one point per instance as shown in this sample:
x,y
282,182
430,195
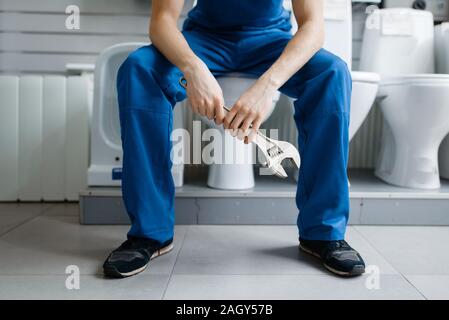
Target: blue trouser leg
x,y
148,89
322,89
322,119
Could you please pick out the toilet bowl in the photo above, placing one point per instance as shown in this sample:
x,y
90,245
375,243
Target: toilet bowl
x,y
442,65
234,169
399,45
416,110
105,158
365,86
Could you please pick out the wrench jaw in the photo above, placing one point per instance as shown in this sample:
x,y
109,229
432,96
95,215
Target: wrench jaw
x,y
284,150
290,152
279,171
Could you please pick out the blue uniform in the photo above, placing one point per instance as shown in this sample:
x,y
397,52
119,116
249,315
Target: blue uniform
x,y
230,36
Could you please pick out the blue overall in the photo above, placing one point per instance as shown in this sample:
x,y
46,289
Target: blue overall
x,y
245,37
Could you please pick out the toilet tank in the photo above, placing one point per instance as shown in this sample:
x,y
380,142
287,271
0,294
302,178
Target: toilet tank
x,y
398,41
338,27
442,48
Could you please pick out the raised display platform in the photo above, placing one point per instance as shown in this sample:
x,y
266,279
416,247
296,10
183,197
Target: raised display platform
x,y
272,201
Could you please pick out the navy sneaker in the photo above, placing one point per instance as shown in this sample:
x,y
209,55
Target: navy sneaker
x,y
336,256
133,256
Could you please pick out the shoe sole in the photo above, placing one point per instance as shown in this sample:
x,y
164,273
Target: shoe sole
x,y
356,271
111,271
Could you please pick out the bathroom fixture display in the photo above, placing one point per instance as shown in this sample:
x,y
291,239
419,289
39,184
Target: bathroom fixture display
x,y
272,200
105,165
442,65
399,45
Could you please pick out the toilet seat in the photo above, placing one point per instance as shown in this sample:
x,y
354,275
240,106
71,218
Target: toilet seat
x,y
416,79
365,77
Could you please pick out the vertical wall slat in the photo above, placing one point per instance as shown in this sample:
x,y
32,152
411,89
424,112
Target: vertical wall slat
x,y
30,138
54,130
9,138
77,140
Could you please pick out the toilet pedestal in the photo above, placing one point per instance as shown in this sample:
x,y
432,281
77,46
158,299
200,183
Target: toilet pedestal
x,y
234,169
236,173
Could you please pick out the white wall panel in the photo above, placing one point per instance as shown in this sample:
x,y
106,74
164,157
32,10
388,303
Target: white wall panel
x,y
38,22
9,138
30,138
77,139
86,6
54,135
54,43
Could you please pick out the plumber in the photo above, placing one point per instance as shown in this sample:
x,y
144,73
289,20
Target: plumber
x,y
251,37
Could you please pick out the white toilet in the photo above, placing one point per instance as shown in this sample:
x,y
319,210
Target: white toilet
x,y
442,65
105,159
399,45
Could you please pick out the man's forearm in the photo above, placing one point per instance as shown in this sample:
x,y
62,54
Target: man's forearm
x,y
304,44
166,37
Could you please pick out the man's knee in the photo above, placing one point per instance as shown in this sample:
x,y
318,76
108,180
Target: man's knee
x,y
338,69
339,83
137,59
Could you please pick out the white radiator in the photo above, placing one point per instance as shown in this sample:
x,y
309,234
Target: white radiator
x,y
43,136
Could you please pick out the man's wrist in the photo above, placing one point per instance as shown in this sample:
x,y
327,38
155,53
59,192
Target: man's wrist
x,y
270,82
190,65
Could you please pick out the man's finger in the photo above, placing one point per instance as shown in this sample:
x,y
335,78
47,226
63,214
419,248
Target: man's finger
x,y
253,131
251,136
219,113
247,124
210,112
229,118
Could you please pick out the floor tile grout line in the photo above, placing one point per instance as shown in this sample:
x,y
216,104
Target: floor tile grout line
x,y
52,205
375,249
390,263
47,207
174,264
41,213
34,216
277,275
419,291
194,274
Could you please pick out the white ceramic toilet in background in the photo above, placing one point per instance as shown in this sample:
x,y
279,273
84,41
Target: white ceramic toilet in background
x,y
399,45
442,66
105,161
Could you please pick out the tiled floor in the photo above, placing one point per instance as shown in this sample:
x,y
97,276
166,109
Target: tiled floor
x,y
39,241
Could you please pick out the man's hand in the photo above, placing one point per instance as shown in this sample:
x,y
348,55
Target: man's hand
x,y
250,110
204,92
